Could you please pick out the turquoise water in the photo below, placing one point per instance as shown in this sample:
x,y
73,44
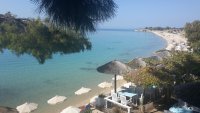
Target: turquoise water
x,y
23,79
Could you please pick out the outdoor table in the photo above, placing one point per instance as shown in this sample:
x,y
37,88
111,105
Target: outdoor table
x,y
127,94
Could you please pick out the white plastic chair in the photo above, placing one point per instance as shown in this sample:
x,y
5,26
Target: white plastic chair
x,y
124,101
114,97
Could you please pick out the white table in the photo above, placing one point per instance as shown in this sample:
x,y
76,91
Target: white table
x,y
130,95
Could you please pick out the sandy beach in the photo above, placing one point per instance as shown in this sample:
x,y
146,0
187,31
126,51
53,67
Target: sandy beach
x,y
173,38
79,100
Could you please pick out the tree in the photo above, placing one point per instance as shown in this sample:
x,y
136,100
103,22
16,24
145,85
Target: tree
x,y
184,66
81,15
35,38
192,31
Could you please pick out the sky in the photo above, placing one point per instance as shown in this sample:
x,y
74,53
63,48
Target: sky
x,y
129,14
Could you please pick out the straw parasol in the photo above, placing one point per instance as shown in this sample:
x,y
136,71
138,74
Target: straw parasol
x,y
82,91
56,99
105,85
27,107
114,67
71,109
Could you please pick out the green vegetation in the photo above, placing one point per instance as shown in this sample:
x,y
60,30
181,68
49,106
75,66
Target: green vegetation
x,y
151,62
39,39
192,31
184,66
144,77
162,28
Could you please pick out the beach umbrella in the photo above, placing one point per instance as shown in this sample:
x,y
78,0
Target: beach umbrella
x,y
137,63
27,107
56,99
105,85
82,91
114,67
71,109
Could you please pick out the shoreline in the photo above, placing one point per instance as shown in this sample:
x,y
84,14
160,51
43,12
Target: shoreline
x,y
173,39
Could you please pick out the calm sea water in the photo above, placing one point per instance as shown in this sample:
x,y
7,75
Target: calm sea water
x,y
23,79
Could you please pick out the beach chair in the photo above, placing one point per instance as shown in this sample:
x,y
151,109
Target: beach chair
x,y
124,101
114,97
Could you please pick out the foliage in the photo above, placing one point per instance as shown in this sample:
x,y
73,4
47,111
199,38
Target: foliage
x,y
181,67
35,38
80,15
192,31
102,96
148,76
185,67
162,28
151,62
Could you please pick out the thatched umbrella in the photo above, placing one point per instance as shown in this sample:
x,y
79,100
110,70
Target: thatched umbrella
x,y
114,67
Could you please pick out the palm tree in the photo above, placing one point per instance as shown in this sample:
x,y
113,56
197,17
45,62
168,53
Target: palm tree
x,y
80,15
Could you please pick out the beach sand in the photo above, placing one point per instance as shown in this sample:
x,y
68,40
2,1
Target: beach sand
x,y
77,100
172,38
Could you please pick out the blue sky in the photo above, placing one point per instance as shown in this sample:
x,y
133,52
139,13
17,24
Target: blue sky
x,y
130,13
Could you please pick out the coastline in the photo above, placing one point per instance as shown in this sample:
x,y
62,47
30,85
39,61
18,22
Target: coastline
x,y
172,38
84,99
75,101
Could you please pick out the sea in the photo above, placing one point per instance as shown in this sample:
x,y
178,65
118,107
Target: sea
x,y
23,79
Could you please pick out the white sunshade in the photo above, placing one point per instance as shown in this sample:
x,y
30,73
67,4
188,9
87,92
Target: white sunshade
x,y
56,99
105,85
26,107
118,77
82,91
71,109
